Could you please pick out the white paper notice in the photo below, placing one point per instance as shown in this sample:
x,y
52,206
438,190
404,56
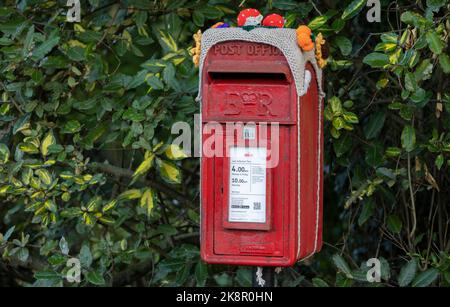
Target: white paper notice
x,y
247,198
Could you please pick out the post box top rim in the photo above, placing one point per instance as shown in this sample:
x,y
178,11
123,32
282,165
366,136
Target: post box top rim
x,y
282,38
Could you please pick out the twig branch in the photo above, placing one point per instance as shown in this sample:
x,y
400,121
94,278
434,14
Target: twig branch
x,y
413,204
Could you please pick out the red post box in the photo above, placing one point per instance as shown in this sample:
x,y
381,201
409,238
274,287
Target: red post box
x,y
255,209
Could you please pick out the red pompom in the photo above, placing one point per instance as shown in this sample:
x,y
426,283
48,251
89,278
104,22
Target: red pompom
x,y
249,17
273,20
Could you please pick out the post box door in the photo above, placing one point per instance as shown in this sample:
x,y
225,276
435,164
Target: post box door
x,y
247,213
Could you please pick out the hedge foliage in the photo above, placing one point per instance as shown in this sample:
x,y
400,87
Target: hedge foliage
x,y
87,170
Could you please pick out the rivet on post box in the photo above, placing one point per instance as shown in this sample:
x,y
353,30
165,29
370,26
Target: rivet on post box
x,y
261,164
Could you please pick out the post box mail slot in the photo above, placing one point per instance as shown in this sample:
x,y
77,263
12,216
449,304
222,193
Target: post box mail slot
x,y
261,165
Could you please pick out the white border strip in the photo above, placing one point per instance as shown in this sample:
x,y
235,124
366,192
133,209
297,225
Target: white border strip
x,y
319,160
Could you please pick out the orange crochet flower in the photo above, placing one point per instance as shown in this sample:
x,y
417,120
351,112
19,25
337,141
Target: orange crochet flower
x,y
304,38
304,29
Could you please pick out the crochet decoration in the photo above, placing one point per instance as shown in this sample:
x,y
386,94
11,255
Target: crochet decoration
x,y
220,25
320,42
249,17
304,39
273,20
197,50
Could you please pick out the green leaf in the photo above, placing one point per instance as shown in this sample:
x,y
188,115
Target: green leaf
x,y
174,152
407,273
342,265
138,80
4,189
286,5
169,73
444,60
376,59
344,44
77,53
4,108
57,259
394,223
8,233
317,22
434,42
111,205
336,105
386,173
375,124
155,83
223,280
410,82
338,123
393,152
408,138
201,273
143,168
337,25
46,143
130,194
425,278
140,4
183,274
350,117
148,201
72,126
320,283
414,19
22,254
366,212
28,148
198,18
85,256
386,46
419,97
22,124
343,281
167,42
374,154
424,70
342,145
169,171
44,176
64,246
134,115
439,161
435,4
45,47
13,28
353,8
385,269
47,275
95,278
28,43
4,154
95,134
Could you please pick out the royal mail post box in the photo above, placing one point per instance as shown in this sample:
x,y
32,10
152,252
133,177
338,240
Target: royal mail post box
x,y
261,165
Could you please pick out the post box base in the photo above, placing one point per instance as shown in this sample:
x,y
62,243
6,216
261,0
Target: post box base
x,y
249,260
